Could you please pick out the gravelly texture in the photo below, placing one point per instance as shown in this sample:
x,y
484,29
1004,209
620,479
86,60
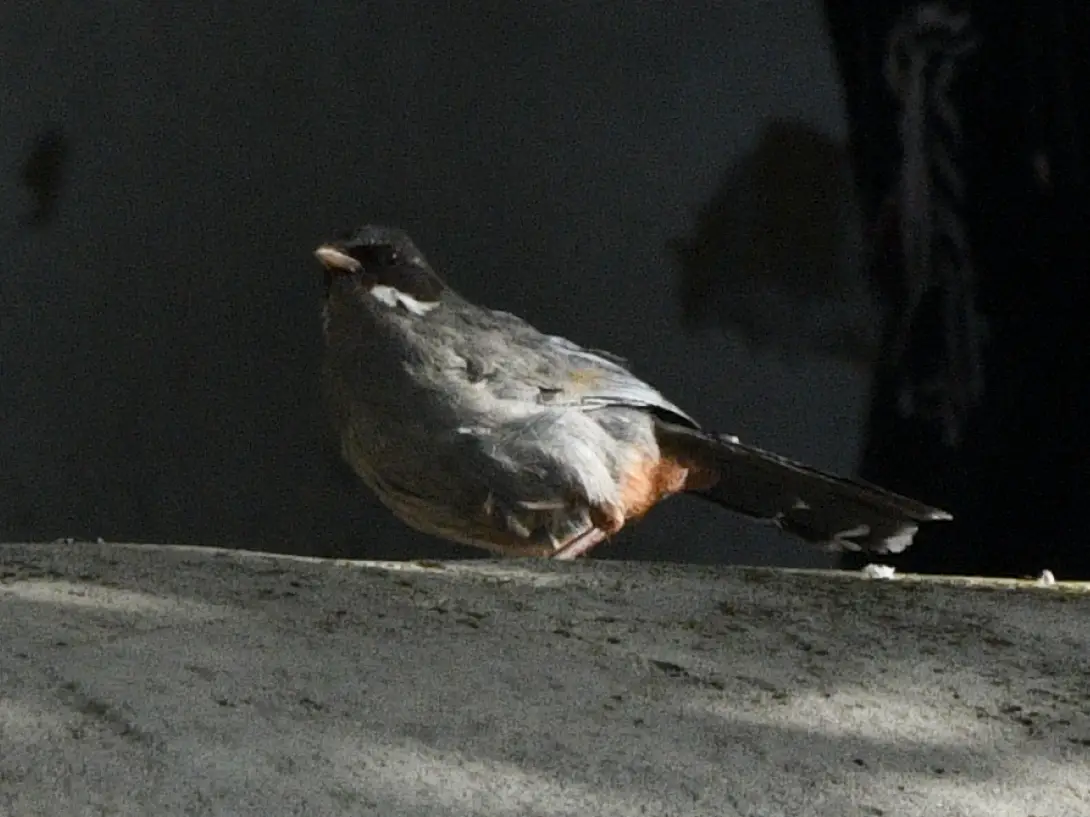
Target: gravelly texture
x,y
142,680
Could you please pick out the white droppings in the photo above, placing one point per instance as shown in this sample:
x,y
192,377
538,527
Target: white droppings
x,y
874,571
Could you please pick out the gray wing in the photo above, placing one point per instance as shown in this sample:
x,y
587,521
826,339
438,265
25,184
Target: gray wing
x,y
551,369
599,381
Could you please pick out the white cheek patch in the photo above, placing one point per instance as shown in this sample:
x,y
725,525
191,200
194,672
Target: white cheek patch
x,y
393,297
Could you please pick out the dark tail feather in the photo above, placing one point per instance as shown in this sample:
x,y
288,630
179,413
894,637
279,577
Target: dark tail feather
x,y
841,513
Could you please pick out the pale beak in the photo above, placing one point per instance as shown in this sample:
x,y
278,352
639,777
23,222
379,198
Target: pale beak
x,y
336,260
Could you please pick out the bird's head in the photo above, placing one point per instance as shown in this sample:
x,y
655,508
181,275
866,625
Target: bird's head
x,y
382,264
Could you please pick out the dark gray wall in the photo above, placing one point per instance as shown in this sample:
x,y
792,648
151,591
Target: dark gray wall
x,y
158,341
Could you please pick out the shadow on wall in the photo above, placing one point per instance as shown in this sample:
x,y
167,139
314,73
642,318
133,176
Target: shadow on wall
x,y
774,255
43,175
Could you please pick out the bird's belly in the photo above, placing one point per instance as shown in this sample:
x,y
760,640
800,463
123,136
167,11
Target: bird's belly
x,y
422,477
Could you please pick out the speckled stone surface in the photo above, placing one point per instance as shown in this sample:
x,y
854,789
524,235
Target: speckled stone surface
x,y
142,680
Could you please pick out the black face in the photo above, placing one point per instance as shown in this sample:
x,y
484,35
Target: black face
x,y
383,255
381,246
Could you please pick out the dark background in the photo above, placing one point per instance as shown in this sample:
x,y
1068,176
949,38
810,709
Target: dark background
x,y
168,171
1018,477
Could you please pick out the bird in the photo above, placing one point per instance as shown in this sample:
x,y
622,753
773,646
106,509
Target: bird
x,y
472,425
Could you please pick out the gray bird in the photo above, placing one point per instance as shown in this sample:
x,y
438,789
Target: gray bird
x,y
471,425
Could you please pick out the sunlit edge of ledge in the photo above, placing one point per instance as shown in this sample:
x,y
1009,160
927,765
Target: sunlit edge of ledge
x,y
497,568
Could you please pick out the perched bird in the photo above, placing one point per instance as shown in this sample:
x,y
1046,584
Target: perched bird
x,y
470,424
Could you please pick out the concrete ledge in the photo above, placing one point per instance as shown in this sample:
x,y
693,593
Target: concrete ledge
x,y
139,680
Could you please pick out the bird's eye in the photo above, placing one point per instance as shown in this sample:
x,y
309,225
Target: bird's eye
x,y
377,255
385,256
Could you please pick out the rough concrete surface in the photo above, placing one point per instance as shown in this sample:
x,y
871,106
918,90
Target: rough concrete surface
x,y
140,680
